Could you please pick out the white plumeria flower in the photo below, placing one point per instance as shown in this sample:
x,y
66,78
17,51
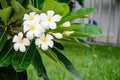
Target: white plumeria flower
x,y
31,17
66,24
20,42
33,30
44,41
58,35
68,33
49,20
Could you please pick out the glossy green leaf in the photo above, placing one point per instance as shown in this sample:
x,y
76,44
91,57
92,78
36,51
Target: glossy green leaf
x,y
17,16
53,5
3,3
78,14
17,6
22,60
5,14
39,67
3,39
90,30
6,54
68,42
69,66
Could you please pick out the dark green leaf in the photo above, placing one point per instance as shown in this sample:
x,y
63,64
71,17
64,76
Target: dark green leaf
x,y
81,2
5,14
38,65
3,39
17,6
8,73
69,66
17,16
39,3
3,3
78,14
58,45
6,54
22,60
49,54
53,5
64,1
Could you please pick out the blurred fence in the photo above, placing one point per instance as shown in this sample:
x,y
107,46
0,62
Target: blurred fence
x,y
107,17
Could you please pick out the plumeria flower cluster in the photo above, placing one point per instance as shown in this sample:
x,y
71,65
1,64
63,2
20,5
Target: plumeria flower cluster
x,y
35,26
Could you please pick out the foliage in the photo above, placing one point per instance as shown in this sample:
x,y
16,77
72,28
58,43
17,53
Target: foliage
x,y
12,13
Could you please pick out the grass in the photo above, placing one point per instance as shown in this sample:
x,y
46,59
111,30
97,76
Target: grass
x,y
99,62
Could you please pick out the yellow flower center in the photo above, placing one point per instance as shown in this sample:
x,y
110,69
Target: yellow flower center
x,y
31,18
21,41
32,28
49,19
44,40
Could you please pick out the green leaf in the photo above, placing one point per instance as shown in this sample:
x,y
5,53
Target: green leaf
x,y
22,60
17,6
17,16
69,66
66,9
58,45
77,14
67,42
39,67
89,30
3,3
6,54
34,9
3,39
71,27
5,14
39,3
49,54
8,73
64,1
53,5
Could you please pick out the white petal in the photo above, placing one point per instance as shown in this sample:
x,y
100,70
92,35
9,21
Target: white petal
x,y
44,46
29,35
44,24
57,18
22,48
37,33
26,17
25,28
20,34
32,13
26,42
52,25
15,39
50,13
37,42
16,46
50,43
48,36
43,16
